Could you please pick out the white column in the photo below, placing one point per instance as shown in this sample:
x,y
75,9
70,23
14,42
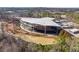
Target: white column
x,y
45,30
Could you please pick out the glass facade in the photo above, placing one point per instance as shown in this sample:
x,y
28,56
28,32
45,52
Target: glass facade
x,y
40,28
26,25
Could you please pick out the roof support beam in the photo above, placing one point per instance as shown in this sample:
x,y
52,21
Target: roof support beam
x,y
45,30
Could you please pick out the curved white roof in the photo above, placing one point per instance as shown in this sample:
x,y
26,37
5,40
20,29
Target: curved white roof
x,y
46,21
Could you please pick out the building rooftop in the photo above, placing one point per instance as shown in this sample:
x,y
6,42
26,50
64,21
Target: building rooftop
x,y
74,31
41,21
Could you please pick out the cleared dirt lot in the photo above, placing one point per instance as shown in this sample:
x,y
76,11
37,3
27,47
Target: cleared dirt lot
x,y
36,39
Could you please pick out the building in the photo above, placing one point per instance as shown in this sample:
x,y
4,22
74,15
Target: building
x,y
68,27
40,25
50,26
